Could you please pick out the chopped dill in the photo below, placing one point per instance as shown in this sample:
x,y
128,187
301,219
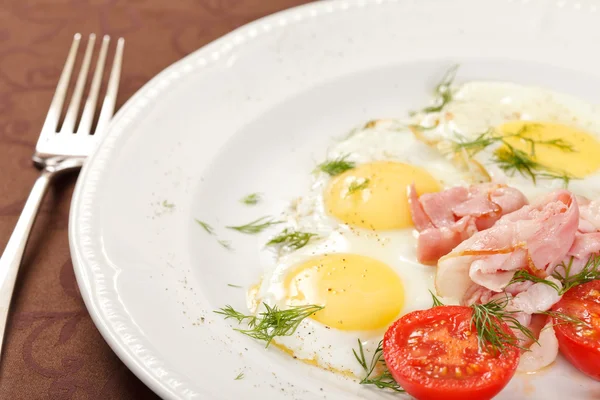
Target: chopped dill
x,y
436,301
512,160
474,146
239,376
272,322
337,166
166,204
443,91
210,230
525,276
356,186
564,318
558,143
588,273
234,286
562,175
562,273
225,243
255,226
230,312
490,335
205,226
251,199
291,238
384,379
490,137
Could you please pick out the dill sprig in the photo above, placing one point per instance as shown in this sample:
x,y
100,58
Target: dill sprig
x,y
589,272
562,175
256,226
337,166
558,143
436,301
251,199
476,145
443,91
292,239
234,286
485,318
490,335
272,322
230,312
512,160
356,186
239,376
525,276
205,226
209,229
225,243
562,273
384,380
564,318
490,137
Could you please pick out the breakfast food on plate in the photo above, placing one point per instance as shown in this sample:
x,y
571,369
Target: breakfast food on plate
x,y
360,260
535,238
441,254
421,348
579,343
530,138
444,219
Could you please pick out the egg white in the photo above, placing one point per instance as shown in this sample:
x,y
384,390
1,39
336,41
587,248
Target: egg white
x,y
328,347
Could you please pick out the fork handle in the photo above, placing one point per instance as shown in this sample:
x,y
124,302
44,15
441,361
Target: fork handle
x,y
15,248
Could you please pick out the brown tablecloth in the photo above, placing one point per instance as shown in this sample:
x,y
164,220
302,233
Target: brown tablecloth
x,y
52,349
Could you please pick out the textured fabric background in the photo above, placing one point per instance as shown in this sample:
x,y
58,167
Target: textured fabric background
x,y
52,348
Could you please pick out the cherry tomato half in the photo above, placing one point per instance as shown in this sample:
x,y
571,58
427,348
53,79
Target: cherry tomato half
x,y
580,343
434,354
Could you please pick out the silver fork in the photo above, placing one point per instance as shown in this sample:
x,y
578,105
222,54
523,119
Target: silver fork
x,y
61,150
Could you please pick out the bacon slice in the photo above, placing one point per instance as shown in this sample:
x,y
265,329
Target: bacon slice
x,y
559,228
589,213
542,353
447,218
535,237
587,238
439,206
584,245
540,297
434,243
420,219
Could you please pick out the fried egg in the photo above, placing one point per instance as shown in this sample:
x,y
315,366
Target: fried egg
x,y
362,266
388,158
565,132
365,280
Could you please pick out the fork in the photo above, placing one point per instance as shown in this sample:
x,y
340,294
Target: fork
x,y
61,150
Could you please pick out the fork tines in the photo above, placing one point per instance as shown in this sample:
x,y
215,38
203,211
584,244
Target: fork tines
x,y
51,123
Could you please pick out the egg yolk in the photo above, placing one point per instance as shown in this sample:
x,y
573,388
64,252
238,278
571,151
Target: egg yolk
x,y
581,160
357,292
374,195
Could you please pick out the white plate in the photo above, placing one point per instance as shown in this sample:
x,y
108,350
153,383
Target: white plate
x,y
254,111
